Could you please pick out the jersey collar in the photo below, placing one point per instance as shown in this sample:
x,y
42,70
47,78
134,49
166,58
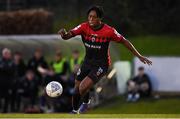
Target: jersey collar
x,y
102,25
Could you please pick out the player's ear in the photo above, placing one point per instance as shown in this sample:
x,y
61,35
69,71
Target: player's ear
x,y
100,19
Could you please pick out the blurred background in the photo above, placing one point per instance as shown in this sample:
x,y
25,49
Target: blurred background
x,y
32,54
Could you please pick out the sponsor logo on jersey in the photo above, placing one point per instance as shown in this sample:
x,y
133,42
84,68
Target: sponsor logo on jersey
x,y
94,36
93,39
92,46
100,71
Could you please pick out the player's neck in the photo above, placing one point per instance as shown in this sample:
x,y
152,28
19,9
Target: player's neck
x,y
97,27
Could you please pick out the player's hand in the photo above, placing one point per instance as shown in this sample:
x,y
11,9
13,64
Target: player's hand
x,y
145,60
62,32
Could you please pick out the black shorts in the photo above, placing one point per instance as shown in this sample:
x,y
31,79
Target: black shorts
x,y
95,72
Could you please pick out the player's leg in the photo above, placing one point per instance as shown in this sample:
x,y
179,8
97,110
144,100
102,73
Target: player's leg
x,y
85,86
130,87
87,83
76,97
86,98
81,74
85,103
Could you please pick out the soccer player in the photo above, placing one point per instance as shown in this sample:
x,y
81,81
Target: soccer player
x,y
96,37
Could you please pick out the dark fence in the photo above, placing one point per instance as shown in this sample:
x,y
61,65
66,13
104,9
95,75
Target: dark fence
x,y
26,22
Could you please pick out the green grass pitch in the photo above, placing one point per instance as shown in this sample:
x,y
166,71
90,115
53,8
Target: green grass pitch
x,y
94,116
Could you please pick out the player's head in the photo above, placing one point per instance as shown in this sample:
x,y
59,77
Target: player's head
x,y
6,53
29,75
141,70
17,57
95,15
58,55
75,54
38,53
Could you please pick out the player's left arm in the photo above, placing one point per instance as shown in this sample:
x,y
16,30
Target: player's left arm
x,y
130,46
119,38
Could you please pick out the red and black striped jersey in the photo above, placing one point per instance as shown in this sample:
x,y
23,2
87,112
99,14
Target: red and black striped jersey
x,y
96,42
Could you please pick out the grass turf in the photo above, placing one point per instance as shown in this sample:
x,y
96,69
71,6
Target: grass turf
x,y
89,116
144,106
119,108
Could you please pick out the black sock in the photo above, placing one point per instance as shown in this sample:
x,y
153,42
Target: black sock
x,y
76,100
86,98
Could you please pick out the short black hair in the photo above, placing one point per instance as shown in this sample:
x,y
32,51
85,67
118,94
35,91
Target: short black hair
x,y
98,9
141,68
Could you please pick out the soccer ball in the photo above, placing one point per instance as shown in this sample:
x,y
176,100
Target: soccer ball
x,y
54,89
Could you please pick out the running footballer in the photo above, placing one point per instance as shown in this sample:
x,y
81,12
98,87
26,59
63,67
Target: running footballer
x,y
96,37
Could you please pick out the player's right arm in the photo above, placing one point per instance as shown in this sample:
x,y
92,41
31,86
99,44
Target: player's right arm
x,y
65,35
73,32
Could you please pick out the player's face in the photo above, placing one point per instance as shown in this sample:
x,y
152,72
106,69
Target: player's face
x,y
38,54
30,75
75,55
7,55
17,58
57,57
93,19
141,72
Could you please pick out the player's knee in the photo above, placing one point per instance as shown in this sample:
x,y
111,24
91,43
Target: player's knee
x,y
82,90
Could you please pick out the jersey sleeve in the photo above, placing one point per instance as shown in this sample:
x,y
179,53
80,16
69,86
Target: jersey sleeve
x,y
78,30
116,36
